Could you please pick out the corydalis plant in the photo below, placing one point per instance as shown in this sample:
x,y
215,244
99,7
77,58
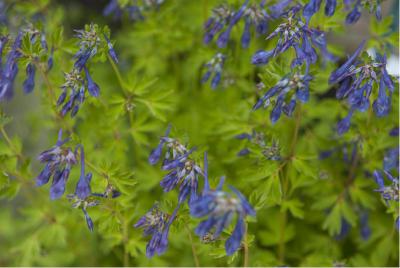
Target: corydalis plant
x,y
92,41
156,223
356,78
220,208
355,6
183,171
295,33
214,68
290,89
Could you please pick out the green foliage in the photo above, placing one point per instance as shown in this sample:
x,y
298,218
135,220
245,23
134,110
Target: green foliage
x,y
300,200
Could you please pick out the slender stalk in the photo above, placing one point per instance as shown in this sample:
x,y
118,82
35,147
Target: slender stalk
x,y
246,248
117,73
194,253
10,144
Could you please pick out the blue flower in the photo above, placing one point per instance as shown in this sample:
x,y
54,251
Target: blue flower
x,y
183,171
390,192
111,50
290,89
82,190
344,229
75,83
10,70
84,204
356,78
214,66
156,223
59,160
220,207
294,33
365,230
29,83
353,16
221,22
391,159
134,10
92,87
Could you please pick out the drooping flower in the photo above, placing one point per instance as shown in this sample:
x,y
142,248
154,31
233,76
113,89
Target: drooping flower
x,y
355,7
84,204
356,78
156,223
59,159
258,139
111,50
391,159
10,69
296,34
365,230
290,89
390,192
220,23
214,68
135,9
220,208
183,171
83,190
29,82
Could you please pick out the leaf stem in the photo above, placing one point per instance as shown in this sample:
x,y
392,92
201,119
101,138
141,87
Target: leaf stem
x,y
194,253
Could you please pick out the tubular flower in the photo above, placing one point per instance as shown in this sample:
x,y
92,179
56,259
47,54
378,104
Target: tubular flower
x,y
356,78
290,89
156,223
84,204
183,171
214,66
296,34
59,160
134,8
390,192
220,208
355,7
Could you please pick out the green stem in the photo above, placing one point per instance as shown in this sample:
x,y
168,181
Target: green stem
x,y
117,73
245,248
194,253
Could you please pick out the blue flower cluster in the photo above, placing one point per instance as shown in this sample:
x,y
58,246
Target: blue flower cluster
x,y
355,6
258,138
9,71
156,223
91,41
135,9
356,78
59,160
224,18
295,33
183,171
290,89
220,207
214,66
